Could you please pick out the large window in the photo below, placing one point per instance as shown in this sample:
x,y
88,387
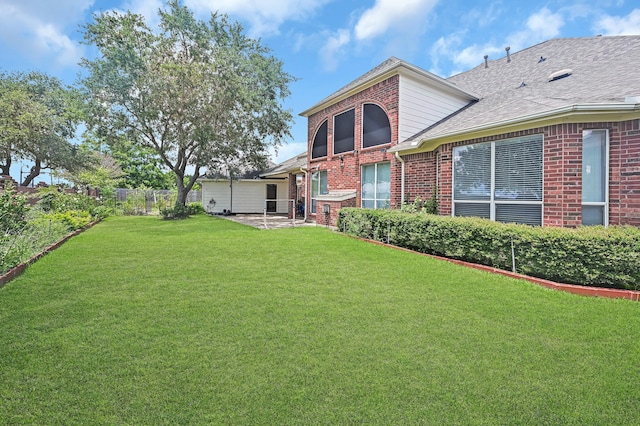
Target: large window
x,y
343,131
318,187
376,186
595,166
375,126
499,180
319,148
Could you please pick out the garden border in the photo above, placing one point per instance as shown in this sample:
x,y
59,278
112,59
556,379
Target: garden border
x,y
612,293
16,271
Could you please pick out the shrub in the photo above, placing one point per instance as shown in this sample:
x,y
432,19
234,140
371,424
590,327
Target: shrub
x,y
13,211
175,212
39,233
181,212
429,206
72,219
195,208
54,201
596,256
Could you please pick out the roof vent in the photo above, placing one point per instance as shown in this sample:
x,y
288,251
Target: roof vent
x,y
508,48
523,84
486,65
560,74
542,59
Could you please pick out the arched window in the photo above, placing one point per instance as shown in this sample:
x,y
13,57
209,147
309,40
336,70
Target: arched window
x,y
343,131
319,148
376,129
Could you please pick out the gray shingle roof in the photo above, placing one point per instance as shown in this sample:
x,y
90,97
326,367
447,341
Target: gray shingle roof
x,y
390,65
604,71
380,69
290,165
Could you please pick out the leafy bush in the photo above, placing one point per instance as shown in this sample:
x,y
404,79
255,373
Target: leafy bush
x,y
72,219
181,212
594,256
25,231
175,212
39,233
54,201
195,208
13,211
429,206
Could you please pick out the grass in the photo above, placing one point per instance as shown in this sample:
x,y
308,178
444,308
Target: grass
x,y
143,321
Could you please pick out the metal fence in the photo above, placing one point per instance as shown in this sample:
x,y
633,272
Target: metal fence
x,y
148,201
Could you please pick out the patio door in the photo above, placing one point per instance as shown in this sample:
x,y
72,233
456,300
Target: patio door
x,y
272,194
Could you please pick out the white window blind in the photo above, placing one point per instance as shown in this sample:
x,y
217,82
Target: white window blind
x,y
500,180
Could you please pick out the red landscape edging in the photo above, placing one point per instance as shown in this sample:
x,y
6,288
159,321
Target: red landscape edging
x,y
18,270
612,293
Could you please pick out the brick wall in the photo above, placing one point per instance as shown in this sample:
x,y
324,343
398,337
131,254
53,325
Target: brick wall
x,y
624,173
562,174
420,176
343,170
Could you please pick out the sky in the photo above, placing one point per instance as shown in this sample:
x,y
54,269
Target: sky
x,y
325,44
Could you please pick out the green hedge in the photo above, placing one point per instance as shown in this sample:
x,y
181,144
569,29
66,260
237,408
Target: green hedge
x,y
592,256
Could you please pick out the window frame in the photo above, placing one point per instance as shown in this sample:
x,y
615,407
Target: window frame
x,y
362,126
353,131
313,198
604,204
375,198
326,140
492,201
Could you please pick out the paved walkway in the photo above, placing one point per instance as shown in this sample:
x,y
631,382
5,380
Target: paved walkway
x,y
270,222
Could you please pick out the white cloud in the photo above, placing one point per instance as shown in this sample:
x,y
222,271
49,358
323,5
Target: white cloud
x,y
386,14
333,49
147,8
60,13
442,48
620,25
544,24
264,17
473,55
38,30
539,26
482,17
287,151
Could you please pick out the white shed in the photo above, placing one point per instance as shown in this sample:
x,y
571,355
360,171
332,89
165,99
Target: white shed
x,y
245,195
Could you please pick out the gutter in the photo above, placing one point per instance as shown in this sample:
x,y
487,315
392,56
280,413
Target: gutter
x,y
399,158
558,113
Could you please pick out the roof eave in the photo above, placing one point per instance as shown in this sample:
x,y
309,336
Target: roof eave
x,y
401,68
584,112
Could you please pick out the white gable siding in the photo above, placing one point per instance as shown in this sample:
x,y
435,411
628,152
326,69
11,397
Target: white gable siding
x,y
248,196
420,106
219,192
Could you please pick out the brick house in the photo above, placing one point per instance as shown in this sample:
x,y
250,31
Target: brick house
x,y
546,136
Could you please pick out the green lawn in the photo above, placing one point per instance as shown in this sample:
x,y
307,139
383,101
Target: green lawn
x,y
144,321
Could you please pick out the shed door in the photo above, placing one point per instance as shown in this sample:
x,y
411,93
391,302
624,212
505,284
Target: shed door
x,y
272,194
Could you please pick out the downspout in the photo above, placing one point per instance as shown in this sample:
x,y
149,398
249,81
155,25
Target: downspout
x,y
230,193
437,154
306,194
399,158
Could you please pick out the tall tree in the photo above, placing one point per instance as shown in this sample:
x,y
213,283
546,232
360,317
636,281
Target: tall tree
x,y
195,92
38,118
139,166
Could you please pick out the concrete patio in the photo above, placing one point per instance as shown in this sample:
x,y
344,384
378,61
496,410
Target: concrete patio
x,y
268,221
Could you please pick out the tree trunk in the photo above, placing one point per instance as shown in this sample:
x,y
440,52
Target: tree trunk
x,y
5,169
181,199
183,190
34,173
